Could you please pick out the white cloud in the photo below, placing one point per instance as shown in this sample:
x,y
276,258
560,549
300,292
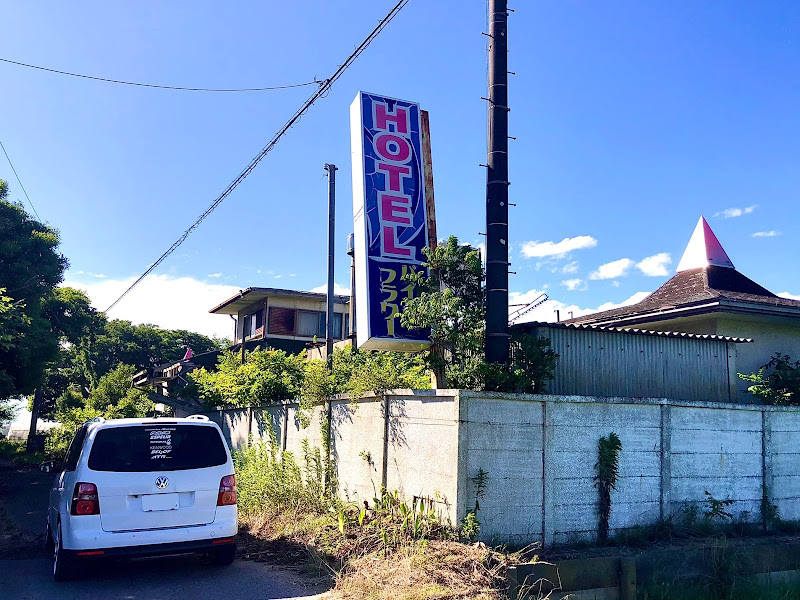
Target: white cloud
x,y
789,296
337,289
546,312
656,265
732,212
90,274
215,275
613,269
570,268
574,284
560,249
763,234
169,302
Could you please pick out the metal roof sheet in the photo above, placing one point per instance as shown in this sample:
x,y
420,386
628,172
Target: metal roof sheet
x,y
634,331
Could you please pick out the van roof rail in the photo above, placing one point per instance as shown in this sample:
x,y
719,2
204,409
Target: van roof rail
x,y
198,417
97,420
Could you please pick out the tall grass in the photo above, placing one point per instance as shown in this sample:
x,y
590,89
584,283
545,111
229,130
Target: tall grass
x,y
269,480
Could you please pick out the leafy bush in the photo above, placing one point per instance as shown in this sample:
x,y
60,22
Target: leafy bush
x,y
267,376
777,382
114,397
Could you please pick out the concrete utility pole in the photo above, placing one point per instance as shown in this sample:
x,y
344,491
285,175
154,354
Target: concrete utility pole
x,y
331,169
497,336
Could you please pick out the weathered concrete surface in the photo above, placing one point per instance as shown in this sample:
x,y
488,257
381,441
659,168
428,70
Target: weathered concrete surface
x,y
540,453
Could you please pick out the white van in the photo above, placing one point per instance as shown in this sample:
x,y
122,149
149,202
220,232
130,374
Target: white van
x,y
143,487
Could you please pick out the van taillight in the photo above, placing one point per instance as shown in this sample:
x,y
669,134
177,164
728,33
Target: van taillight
x,y
227,491
85,500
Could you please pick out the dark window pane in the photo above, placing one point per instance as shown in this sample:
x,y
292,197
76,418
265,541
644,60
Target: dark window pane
x,y
74,450
337,326
144,448
281,321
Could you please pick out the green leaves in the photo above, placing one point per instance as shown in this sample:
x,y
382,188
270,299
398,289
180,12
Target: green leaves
x,y
267,376
607,467
777,382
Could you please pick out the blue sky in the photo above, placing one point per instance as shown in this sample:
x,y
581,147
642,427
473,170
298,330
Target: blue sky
x,y
632,119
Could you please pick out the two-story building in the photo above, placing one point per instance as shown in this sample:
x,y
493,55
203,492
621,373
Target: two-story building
x,y
283,319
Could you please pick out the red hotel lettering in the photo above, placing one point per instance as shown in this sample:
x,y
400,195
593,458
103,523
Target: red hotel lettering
x,y
399,117
394,209
394,150
395,175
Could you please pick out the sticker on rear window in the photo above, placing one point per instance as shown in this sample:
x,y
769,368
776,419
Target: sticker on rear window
x,y
160,442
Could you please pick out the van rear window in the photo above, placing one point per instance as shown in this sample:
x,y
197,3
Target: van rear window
x,y
142,448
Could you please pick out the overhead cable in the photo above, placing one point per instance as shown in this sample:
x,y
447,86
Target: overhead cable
x,y
324,88
163,87
38,218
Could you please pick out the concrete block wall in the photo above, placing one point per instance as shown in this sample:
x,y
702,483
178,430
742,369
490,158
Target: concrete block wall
x,y
504,437
719,451
417,448
540,454
784,467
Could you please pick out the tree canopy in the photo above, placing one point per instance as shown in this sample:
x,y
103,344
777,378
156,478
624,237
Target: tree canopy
x,y
30,268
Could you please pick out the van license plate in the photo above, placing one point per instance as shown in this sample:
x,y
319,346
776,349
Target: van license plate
x,y
152,502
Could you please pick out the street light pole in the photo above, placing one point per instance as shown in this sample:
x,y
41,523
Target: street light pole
x,y
331,169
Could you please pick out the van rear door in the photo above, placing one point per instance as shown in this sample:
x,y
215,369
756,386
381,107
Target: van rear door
x,y
159,475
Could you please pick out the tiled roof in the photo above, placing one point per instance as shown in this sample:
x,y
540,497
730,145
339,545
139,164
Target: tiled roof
x,y
694,287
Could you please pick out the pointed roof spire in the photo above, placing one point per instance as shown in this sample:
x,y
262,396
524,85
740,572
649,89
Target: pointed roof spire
x,y
704,250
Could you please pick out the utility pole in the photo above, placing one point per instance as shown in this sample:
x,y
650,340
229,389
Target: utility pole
x,y
497,336
351,252
331,169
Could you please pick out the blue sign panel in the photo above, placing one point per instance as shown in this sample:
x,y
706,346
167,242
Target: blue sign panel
x,y
390,218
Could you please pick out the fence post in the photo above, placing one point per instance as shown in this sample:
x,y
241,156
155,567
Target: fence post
x,y
665,503
766,467
548,476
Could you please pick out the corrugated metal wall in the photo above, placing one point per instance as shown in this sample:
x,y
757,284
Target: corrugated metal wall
x,y
608,363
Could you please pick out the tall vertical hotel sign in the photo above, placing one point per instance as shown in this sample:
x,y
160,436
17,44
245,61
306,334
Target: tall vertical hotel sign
x,y
389,214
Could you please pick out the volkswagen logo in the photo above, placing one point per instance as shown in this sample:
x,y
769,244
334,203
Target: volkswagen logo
x,y
162,482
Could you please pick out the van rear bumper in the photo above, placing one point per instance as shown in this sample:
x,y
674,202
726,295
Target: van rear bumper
x,y
153,549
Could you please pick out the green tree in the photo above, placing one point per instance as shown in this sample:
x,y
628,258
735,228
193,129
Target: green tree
x,y
451,305
30,269
76,323
267,376
145,345
777,382
112,398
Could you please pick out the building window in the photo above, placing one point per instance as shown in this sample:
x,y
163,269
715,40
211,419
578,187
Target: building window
x,y
281,321
304,323
253,325
310,323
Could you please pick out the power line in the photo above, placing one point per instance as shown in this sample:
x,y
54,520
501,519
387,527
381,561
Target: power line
x,y
38,218
162,87
324,87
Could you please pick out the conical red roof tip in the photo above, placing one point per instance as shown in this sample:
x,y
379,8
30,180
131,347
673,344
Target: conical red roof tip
x,y
704,250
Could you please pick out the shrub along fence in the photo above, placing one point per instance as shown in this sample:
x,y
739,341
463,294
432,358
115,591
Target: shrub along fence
x,y
678,458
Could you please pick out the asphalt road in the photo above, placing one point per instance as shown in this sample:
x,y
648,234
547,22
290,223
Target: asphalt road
x,y
25,569
166,578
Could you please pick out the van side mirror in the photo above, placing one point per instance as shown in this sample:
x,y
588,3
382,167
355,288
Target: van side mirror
x,y
49,466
